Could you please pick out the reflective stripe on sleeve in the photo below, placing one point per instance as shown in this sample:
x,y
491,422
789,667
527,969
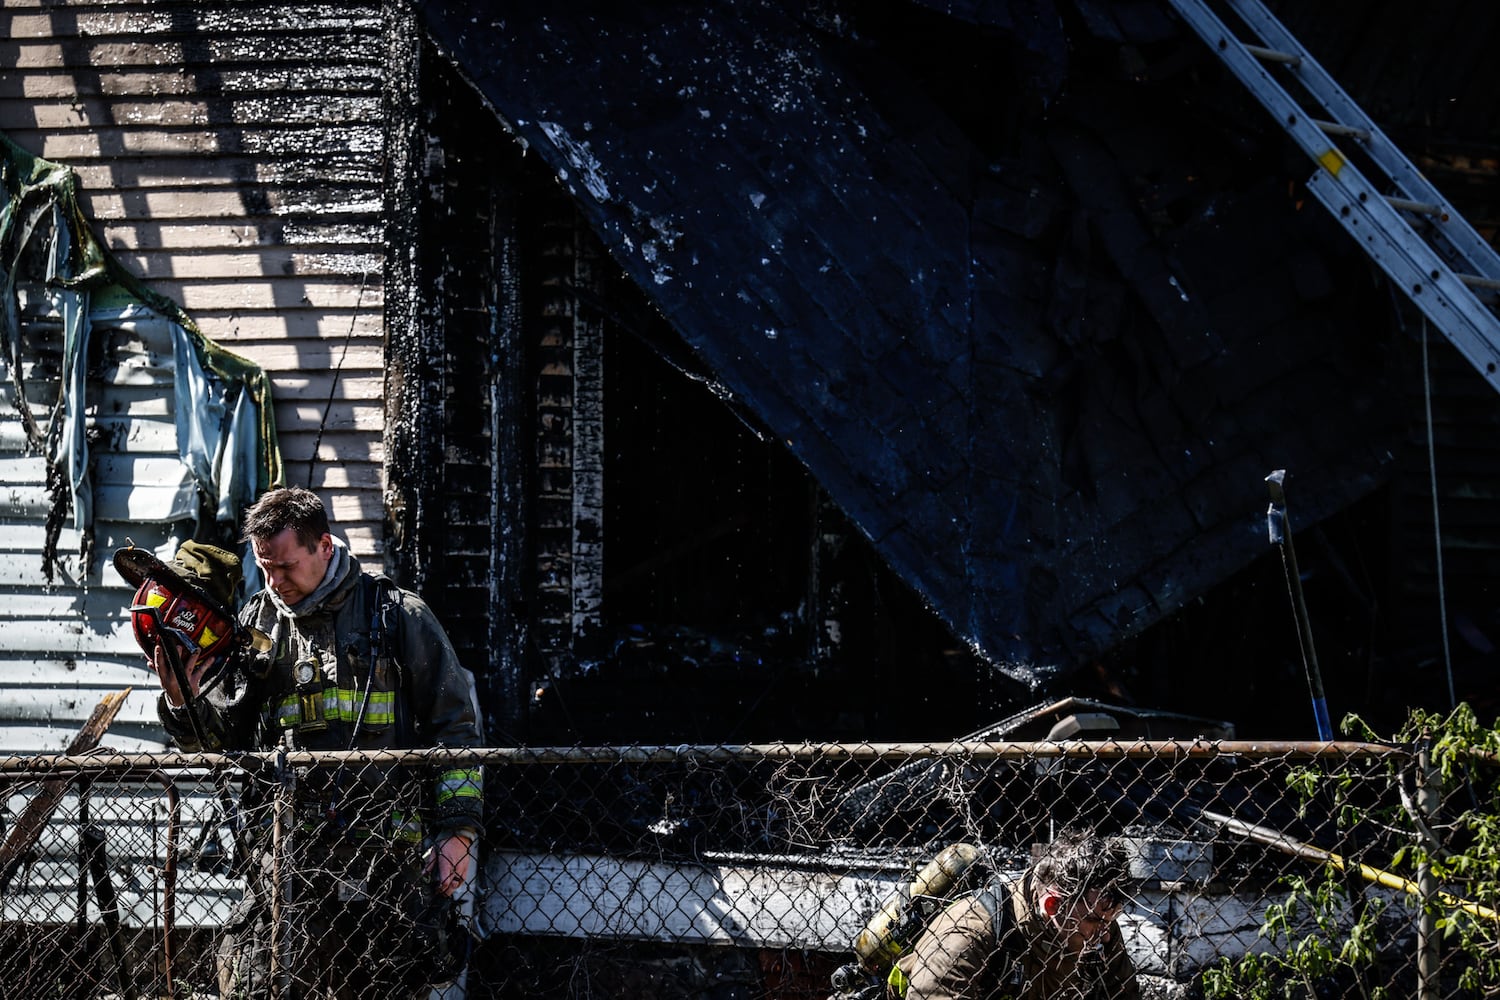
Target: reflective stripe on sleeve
x,y
460,784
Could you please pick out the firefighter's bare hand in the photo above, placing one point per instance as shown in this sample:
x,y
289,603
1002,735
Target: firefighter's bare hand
x,y
194,666
449,863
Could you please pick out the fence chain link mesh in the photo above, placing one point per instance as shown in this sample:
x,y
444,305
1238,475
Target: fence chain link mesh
x,y
745,872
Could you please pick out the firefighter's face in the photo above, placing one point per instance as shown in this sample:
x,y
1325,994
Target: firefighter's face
x,y
1081,925
292,569
1084,923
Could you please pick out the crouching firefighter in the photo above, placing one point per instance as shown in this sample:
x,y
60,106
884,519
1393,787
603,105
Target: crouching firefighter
x,y
960,932
354,898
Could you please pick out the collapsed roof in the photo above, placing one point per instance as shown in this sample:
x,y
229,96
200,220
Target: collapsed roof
x,y
1038,310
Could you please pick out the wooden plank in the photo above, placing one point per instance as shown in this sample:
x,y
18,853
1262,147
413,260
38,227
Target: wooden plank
x,y
272,261
333,446
67,636
91,23
129,670
145,502
40,396
54,4
193,112
365,415
129,468
146,402
349,510
365,538
98,602
19,739
330,169
63,146
303,353
349,383
121,431
226,203
332,472
103,574
145,53
33,819
330,237
23,501
280,344
279,297
26,570
54,83
27,538
65,708
30,471
292,293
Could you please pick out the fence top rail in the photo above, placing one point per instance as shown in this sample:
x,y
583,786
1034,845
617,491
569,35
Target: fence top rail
x,y
105,761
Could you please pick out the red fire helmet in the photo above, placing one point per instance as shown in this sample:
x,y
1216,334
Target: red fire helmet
x,y
199,624
166,599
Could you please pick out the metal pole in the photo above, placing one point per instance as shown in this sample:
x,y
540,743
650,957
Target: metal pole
x,y
123,765
281,824
1428,939
1280,529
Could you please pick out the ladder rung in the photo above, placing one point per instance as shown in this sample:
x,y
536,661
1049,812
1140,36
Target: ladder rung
x,y
1334,128
1475,281
1418,207
1272,55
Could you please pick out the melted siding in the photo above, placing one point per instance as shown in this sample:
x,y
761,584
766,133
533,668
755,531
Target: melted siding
x,y
64,638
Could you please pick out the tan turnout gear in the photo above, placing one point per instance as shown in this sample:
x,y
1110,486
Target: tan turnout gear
x,y
959,957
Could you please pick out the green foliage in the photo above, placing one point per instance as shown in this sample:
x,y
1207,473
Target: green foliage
x,y
1309,941
1322,938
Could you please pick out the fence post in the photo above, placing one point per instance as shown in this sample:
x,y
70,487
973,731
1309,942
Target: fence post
x,y
281,825
1427,937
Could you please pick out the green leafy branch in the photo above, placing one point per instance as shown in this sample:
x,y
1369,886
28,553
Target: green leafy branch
x,y
1313,946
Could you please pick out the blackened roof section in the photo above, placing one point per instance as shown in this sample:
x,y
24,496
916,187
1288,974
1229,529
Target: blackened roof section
x,y
1041,341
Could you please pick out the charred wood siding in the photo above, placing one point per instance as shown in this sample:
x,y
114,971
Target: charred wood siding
x,y
482,350
570,401
459,275
231,154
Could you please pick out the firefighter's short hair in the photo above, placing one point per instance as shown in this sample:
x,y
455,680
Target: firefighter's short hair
x,y
287,507
1078,862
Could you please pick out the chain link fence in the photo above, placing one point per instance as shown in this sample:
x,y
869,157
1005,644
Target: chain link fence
x,y
727,872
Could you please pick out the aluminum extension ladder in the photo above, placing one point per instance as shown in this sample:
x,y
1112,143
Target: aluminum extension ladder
x,y
1404,225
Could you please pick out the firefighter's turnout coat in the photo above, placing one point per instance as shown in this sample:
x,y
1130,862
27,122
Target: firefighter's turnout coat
x,y
992,946
359,665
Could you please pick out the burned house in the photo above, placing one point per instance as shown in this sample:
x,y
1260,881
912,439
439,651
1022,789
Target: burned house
x,y
843,371
753,371
921,356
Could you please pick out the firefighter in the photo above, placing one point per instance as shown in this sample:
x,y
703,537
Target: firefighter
x,y
1048,935
376,852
